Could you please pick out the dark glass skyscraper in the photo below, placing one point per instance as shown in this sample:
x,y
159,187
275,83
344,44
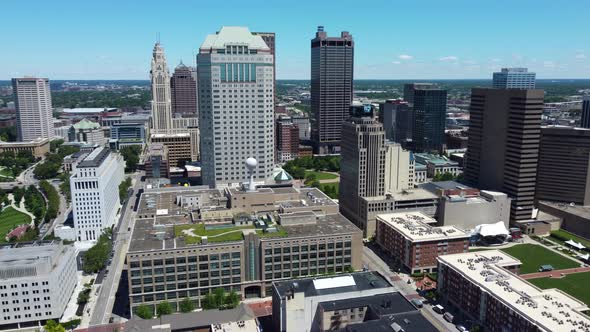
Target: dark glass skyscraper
x,y
429,105
183,87
503,145
332,62
585,121
397,118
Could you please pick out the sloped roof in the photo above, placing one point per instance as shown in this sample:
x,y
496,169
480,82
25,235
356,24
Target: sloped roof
x,y
234,36
86,124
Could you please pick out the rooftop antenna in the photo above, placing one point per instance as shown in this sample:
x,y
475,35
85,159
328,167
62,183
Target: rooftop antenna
x,y
251,164
158,37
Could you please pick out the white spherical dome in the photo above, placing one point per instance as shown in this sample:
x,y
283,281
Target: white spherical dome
x,y
251,163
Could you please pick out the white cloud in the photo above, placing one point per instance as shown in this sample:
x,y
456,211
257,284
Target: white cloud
x,y
449,58
581,56
495,60
396,62
405,57
549,64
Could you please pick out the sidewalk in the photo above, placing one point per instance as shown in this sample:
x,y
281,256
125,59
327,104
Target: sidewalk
x,y
70,311
555,274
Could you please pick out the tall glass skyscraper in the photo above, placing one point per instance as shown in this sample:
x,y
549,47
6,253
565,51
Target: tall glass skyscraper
x,y
514,78
429,105
332,63
236,106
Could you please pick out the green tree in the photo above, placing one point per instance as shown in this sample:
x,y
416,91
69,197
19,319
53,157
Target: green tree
x,y
53,326
446,176
124,188
52,200
144,311
53,145
131,155
232,300
219,294
46,170
164,308
64,186
187,305
209,302
96,257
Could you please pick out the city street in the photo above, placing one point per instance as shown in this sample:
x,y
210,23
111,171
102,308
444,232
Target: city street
x,y
374,263
103,306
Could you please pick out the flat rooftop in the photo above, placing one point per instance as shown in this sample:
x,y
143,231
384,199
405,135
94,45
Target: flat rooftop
x,y
342,283
88,110
381,304
415,227
158,213
550,309
414,194
194,320
577,210
409,322
171,135
95,158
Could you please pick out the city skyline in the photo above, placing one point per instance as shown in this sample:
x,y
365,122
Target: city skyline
x,y
394,40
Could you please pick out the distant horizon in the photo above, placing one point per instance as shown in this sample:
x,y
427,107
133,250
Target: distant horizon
x,y
307,79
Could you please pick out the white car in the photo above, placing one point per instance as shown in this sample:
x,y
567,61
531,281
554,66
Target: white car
x,y
461,328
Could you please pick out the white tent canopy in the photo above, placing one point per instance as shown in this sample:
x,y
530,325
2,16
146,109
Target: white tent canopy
x,y
575,244
584,257
491,229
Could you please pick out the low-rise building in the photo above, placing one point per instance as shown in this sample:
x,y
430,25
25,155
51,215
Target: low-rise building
x,y
38,148
88,132
179,247
37,280
484,287
467,207
239,319
412,239
126,134
420,173
437,165
156,161
179,147
361,301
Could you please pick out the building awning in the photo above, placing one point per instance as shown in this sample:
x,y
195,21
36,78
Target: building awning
x,y
575,244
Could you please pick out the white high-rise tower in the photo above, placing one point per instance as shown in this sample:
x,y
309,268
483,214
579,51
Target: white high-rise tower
x,y
236,107
33,108
161,102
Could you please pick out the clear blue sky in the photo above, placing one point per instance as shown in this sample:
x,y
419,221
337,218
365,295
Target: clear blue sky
x,y
108,39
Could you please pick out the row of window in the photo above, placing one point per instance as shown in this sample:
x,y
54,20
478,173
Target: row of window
x,y
23,285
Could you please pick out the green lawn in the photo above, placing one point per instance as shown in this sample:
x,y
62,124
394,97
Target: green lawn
x,y
533,256
281,232
6,173
9,218
321,175
557,235
574,284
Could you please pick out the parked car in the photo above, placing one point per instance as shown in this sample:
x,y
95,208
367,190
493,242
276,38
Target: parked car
x,y
417,302
461,328
439,309
448,317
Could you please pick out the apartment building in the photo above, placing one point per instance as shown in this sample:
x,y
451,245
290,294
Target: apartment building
x,y
413,240
484,287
